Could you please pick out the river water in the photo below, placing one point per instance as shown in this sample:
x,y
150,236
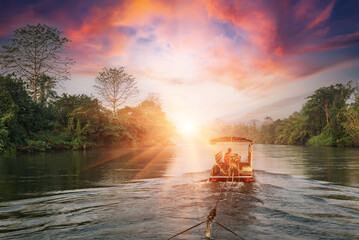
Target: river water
x,y
153,193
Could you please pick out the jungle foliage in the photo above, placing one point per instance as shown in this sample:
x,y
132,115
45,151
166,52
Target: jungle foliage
x,y
329,117
74,122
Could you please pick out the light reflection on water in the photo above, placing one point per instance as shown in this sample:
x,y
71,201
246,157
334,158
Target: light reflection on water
x,y
299,193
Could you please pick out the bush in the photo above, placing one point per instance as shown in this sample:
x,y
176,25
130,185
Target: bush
x,y
35,146
323,139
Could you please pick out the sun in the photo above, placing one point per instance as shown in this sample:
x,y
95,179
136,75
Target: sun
x,y
187,128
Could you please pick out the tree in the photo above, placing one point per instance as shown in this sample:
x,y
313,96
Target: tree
x,y
147,123
35,51
20,117
352,124
327,101
325,112
82,122
47,88
115,87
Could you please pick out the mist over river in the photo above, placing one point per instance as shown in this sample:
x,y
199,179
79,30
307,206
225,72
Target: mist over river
x,y
299,192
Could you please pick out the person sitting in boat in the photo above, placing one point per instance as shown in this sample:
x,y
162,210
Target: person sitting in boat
x,y
227,156
234,164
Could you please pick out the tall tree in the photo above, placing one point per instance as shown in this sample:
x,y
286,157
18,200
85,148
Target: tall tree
x,y
46,88
115,87
351,124
34,51
326,101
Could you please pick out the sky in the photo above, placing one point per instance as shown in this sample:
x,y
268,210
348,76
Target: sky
x,y
206,59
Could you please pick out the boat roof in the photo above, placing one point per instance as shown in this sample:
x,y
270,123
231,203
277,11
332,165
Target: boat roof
x,y
229,139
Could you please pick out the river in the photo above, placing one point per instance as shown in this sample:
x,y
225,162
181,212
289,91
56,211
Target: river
x,y
299,192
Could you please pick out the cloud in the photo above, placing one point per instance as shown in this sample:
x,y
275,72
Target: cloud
x,y
334,43
285,41
275,108
9,19
278,28
218,57
250,45
133,30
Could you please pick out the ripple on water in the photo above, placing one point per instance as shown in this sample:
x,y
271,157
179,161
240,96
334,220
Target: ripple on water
x,y
276,206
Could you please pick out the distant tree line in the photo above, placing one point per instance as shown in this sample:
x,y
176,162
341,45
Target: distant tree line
x,y
34,118
330,117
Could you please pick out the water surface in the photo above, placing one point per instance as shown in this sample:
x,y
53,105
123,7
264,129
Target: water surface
x,y
153,193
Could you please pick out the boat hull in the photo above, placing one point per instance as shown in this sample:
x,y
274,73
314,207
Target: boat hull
x,y
246,178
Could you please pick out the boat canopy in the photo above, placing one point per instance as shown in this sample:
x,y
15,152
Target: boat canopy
x,y
229,139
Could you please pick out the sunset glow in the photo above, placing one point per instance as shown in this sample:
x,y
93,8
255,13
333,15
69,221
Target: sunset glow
x,y
187,128
233,60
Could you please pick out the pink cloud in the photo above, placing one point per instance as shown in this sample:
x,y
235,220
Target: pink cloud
x,y
170,24
267,47
282,36
258,23
311,13
334,43
278,28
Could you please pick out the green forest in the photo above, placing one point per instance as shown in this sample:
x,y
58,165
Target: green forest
x,y
330,117
74,122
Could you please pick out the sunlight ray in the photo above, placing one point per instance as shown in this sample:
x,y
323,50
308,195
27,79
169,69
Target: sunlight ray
x,y
111,156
